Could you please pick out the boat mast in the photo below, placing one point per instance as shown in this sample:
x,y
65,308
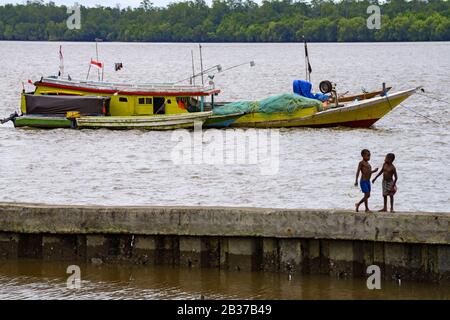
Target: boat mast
x,y
96,51
193,68
89,70
201,63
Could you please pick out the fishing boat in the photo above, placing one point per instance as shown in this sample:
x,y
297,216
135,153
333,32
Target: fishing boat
x,y
356,114
60,103
303,108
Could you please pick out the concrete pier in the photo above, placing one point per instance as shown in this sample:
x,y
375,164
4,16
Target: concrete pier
x,y
409,245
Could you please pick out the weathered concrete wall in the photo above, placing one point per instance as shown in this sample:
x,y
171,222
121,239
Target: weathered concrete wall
x,y
341,243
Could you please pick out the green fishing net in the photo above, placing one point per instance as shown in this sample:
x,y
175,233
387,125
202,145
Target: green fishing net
x,y
287,103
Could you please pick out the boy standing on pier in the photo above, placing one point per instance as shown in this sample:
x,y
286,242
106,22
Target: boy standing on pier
x,y
366,172
389,180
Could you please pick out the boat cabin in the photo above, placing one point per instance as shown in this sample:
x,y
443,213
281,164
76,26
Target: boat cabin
x,y
132,100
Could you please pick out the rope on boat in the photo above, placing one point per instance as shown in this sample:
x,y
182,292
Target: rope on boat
x,y
419,114
400,104
431,97
10,118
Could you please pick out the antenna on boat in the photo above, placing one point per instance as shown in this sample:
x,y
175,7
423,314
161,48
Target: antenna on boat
x,y
217,67
193,68
89,70
252,64
307,64
201,63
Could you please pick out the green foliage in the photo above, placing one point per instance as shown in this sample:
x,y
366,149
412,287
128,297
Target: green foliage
x,y
232,20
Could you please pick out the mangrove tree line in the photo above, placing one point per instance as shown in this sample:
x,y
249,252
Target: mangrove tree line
x,y
232,21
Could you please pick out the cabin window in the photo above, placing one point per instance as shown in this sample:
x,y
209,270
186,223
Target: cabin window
x,y
123,99
145,101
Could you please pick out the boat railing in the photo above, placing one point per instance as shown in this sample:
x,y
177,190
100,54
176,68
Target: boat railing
x,y
129,86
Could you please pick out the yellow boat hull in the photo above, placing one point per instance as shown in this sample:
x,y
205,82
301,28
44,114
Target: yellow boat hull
x,y
361,114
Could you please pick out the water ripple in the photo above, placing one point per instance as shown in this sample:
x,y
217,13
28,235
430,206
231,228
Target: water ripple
x,y
316,166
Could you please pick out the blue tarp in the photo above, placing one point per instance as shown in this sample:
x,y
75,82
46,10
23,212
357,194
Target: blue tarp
x,y
303,88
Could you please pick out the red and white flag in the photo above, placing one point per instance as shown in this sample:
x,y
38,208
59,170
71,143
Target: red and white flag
x,y
96,64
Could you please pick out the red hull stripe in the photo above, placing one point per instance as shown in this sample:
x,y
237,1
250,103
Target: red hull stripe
x,y
131,93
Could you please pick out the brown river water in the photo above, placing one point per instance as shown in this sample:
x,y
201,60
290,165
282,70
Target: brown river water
x,y
47,280
315,168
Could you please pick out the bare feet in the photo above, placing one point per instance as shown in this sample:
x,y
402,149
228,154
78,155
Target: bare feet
x,y
383,210
392,210
357,207
368,210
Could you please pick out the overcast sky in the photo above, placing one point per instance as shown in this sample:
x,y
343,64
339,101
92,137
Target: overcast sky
x,y
108,3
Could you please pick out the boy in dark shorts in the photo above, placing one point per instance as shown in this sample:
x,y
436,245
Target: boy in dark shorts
x,y
389,180
366,172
